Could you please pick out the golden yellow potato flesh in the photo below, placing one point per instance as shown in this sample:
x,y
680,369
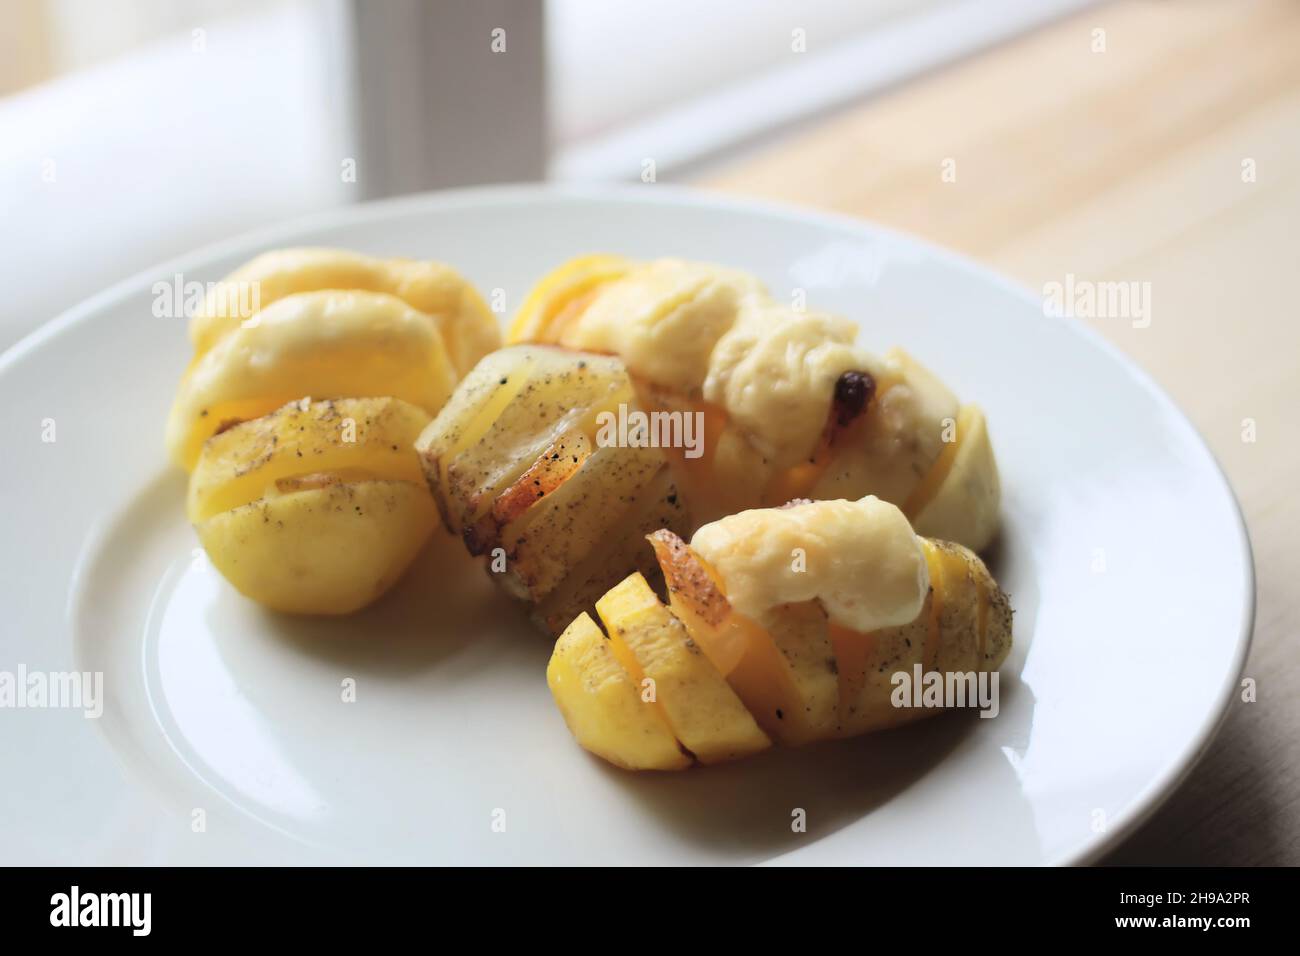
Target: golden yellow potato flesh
x,y
602,705
362,437
562,292
316,508
327,550
654,646
504,415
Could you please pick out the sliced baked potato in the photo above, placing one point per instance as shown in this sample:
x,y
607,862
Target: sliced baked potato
x,y
794,408
328,344
602,704
517,468
802,675
654,647
468,327
789,694
316,508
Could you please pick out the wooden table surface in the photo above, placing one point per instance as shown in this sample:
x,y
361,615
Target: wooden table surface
x,y
1170,157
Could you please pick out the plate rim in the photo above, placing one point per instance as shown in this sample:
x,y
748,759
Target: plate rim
x,y
1155,793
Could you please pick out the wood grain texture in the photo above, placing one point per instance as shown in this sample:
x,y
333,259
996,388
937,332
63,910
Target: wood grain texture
x,y
1128,164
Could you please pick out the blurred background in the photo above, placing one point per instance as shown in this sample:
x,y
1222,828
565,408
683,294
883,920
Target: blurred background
x,y
1152,141
132,130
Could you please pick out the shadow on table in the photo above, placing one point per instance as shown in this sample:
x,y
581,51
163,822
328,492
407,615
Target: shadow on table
x,y
745,810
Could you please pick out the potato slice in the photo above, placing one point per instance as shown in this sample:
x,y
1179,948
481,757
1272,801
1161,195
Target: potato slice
x,y
468,327
561,294
358,436
324,344
975,619
868,663
558,463
801,633
651,643
562,527
504,416
739,647
602,704
726,474
473,408
317,508
963,505
620,550
995,620
327,550
957,646
965,626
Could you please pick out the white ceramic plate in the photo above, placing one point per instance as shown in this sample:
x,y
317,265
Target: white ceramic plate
x,y
224,736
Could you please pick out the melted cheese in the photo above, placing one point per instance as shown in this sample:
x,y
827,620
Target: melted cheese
x,y
859,558
663,319
716,333
775,370
468,327
326,344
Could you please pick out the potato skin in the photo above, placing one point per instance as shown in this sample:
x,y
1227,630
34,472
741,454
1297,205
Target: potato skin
x,y
801,634
622,549
965,507
545,543
370,435
514,464
508,412
329,550
602,705
652,643
317,508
